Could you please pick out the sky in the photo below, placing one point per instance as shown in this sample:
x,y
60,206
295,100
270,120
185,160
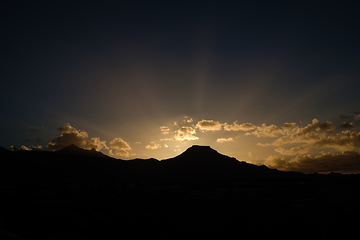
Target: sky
x,y
266,82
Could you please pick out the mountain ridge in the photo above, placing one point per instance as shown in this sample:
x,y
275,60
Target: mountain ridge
x,y
196,163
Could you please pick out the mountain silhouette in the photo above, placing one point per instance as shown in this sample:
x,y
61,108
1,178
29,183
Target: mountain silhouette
x,y
203,162
72,162
74,150
2,150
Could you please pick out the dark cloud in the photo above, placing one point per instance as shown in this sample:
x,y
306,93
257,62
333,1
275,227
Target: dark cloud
x,y
344,117
70,135
355,115
34,129
345,162
350,125
30,140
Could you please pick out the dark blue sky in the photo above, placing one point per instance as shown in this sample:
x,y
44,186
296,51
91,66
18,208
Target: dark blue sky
x,y
121,68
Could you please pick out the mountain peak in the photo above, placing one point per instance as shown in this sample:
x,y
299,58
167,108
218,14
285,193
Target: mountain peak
x,y
199,147
200,150
75,150
71,149
202,156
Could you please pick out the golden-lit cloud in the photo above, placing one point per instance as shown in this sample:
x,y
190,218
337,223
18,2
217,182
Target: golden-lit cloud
x,y
70,135
291,133
209,125
164,130
222,140
293,151
185,133
153,146
314,136
185,122
318,126
344,162
239,127
290,125
119,147
167,139
266,131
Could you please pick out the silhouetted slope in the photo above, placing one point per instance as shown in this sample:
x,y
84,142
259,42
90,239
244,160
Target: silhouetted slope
x,y
3,150
197,162
65,165
74,150
202,162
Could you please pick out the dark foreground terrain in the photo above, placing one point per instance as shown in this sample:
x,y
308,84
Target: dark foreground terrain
x,y
201,194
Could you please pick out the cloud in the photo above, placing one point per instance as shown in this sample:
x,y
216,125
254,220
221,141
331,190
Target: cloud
x,y
290,125
34,129
266,131
312,138
350,125
153,146
167,139
186,122
70,135
119,143
344,117
185,133
345,162
222,140
355,115
24,148
30,140
209,125
239,127
294,134
345,140
119,147
164,130
293,151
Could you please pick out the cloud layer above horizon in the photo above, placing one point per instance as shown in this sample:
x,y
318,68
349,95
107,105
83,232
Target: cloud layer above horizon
x,y
315,147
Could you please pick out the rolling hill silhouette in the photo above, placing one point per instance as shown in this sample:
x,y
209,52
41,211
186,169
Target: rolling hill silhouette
x,y
192,191
74,150
199,162
72,162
